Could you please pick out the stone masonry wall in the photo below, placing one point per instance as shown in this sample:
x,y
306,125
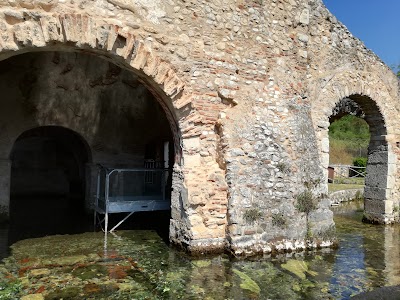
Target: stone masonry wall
x,y
248,87
340,67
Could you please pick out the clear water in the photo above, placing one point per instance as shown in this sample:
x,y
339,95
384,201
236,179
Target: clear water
x,y
139,265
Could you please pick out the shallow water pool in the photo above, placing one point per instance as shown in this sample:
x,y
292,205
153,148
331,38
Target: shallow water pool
x,y
139,265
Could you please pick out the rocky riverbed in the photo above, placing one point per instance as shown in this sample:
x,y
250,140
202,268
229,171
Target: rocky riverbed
x,y
137,264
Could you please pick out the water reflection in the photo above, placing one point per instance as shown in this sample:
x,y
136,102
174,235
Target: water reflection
x,y
30,220
392,252
349,267
138,264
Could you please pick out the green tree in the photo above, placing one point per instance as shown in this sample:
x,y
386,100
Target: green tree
x,y
350,128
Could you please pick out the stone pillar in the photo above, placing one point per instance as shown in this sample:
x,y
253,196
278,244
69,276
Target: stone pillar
x,y
325,164
379,183
5,177
322,136
199,198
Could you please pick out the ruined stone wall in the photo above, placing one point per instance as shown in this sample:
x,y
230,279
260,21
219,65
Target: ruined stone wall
x,y
340,66
247,87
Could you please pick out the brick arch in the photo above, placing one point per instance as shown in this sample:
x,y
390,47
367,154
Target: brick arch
x,y
330,90
42,130
124,47
118,44
380,108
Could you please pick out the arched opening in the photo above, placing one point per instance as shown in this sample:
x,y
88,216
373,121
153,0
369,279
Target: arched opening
x,y
349,137
47,187
378,162
68,98
49,161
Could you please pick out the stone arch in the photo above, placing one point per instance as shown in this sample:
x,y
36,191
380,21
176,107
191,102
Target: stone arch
x,y
68,142
116,43
379,106
48,182
344,107
79,138
120,45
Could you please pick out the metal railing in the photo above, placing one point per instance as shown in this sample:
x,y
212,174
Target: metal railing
x,y
340,172
129,191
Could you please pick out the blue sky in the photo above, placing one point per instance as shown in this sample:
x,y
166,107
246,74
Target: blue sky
x,y
374,22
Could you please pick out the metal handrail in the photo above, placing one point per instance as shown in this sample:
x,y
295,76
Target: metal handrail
x,y
349,168
103,195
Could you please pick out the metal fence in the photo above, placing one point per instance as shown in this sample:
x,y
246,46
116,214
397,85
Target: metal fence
x,y
128,191
339,172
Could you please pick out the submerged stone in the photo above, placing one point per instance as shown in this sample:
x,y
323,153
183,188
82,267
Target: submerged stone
x,y
202,263
298,268
39,272
155,271
67,293
33,297
385,293
247,283
89,272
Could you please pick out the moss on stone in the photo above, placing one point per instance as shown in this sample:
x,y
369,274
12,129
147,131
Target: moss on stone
x,y
66,293
247,283
202,263
298,268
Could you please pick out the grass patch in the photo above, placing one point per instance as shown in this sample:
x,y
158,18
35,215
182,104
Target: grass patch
x,y
348,138
334,187
339,153
353,180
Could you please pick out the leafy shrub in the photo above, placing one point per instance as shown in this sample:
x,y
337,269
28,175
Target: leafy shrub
x,y
252,215
360,162
283,167
279,220
305,202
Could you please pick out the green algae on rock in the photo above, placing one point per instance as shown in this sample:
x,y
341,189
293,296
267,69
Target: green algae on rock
x,y
247,283
33,297
9,289
298,267
201,263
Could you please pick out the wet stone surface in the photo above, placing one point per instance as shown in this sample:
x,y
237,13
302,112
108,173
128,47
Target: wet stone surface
x,y
139,265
